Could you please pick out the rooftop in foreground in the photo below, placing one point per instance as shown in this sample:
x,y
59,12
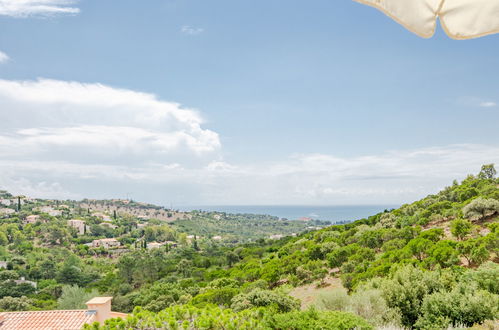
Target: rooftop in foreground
x,y
99,309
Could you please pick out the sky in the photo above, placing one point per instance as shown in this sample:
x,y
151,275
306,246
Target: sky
x,y
230,102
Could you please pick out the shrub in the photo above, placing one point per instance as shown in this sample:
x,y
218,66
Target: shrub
x,y
463,305
486,276
13,304
264,298
460,228
312,320
219,297
406,289
480,208
366,303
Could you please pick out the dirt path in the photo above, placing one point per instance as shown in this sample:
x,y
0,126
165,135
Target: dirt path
x,y
309,293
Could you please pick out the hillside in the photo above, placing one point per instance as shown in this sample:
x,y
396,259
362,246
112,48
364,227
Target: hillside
x,y
430,264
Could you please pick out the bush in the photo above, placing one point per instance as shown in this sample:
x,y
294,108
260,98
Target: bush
x,y
220,297
366,303
465,305
13,304
406,289
312,320
486,277
480,208
460,228
265,298
185,317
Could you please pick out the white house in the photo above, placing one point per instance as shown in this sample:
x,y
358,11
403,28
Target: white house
x,y
154,245
7,211
106,243
22,280
32,219
78,224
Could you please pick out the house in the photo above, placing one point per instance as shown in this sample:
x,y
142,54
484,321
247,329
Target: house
x,y
5,202
32,219
7,211
277,236
217,238
3,264
102,216
55,213
106,243
22,280
80,225
154,245
98,310
50,211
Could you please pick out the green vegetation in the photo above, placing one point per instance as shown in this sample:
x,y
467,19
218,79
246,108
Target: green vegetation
x,y
188,317
237,228
431,264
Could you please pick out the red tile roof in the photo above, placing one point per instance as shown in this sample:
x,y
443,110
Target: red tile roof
x,y
46,320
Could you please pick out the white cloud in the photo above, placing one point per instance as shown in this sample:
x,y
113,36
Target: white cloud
x,y
74,140
29,8
488,104
191,30
3,57
61,120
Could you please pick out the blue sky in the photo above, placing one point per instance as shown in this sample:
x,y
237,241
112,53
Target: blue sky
x,y
324,102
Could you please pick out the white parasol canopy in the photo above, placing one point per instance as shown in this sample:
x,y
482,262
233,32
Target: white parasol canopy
x,y
461,19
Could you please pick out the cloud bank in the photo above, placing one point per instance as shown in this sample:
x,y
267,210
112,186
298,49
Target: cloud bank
x,y
30,8
67,139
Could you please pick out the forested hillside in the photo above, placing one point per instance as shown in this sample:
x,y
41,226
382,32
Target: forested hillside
x,y
428,265
431,264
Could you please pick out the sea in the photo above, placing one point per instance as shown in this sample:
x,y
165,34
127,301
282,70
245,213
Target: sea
x,y
327,213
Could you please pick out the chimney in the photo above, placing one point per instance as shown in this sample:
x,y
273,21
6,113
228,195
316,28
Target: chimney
x,y
102,307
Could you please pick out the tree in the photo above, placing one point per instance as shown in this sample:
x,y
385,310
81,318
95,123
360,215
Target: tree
x,y
481,208
444,253
232,258
406,289
262,298
479,254
3,238
184,267
460,228
74,297
487,172
419,247
13,304
195,243
463,305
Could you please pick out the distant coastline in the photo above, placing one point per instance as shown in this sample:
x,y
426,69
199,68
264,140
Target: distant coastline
x,y
296,212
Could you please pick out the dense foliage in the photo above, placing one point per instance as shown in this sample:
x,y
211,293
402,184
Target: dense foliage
x,y
432,264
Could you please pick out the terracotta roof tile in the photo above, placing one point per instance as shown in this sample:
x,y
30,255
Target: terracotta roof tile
x,y
46,320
